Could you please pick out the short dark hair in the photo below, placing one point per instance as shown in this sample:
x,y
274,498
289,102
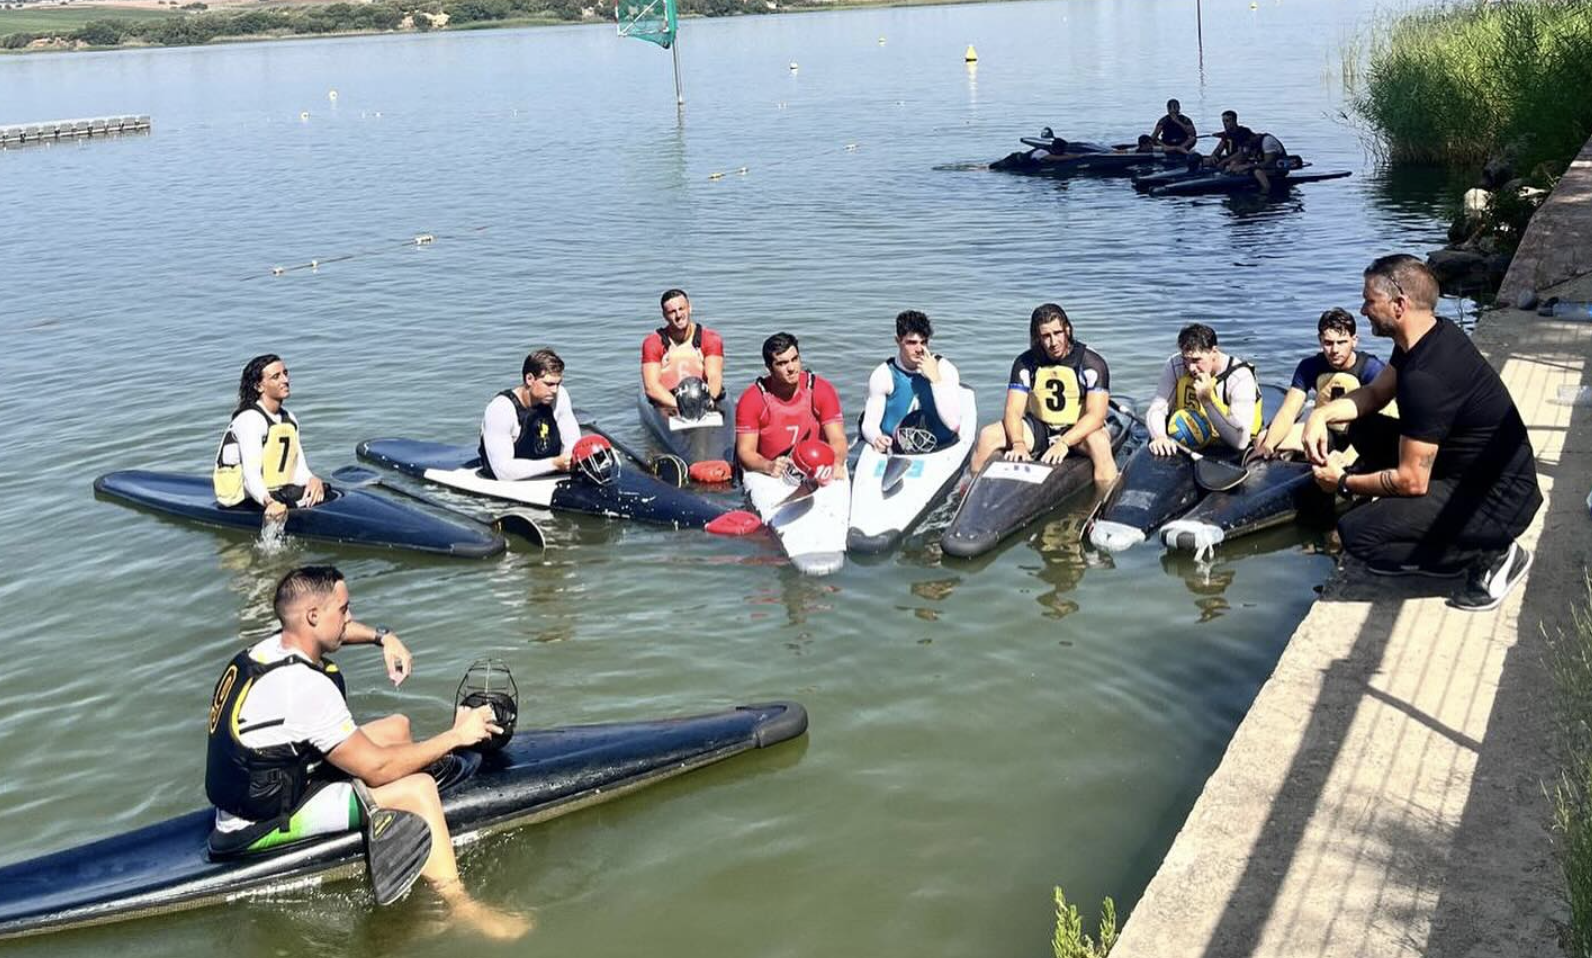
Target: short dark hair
x,y
1406,275
669,294
1230,113
910,321
1339,319
1047,313
1196,338
776,344
249,382
1172,106
309,580
540,363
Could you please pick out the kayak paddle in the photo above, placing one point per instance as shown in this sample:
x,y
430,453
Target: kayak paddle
x,y
1212,475
397,846
513,523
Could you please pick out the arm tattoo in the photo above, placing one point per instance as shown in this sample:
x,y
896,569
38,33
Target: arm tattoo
x,y
1425,462
1389,480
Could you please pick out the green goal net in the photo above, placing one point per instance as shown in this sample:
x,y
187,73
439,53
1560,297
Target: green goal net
x,y
654,21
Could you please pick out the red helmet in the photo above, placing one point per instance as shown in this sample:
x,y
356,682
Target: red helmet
x,y
815,460
594,457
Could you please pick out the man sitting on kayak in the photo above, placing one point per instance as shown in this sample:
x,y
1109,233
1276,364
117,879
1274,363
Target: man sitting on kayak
x,y
781,410
1230,142
260,457
1262,155
1334,372
1204,396
913,380
679,350
1057,398
283,746
529,430
1174,132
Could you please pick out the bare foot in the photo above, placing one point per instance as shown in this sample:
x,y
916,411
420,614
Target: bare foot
x,y
491,922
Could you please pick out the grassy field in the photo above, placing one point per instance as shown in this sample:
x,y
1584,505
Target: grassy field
x,y
61,20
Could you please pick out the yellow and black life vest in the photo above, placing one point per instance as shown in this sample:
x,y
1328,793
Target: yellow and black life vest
x,y
278,462
1184,396
1056,397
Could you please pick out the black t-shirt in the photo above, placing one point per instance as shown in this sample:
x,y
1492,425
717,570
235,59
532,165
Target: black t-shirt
x,y
1236,139
1448,394
1173,129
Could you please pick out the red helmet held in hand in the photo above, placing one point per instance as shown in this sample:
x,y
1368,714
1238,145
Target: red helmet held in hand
x,y
815,460
594,457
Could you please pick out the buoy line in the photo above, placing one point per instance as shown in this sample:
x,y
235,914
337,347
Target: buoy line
x,y
419,239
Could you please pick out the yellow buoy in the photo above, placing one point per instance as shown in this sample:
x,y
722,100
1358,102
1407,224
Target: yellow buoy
x,y
971,56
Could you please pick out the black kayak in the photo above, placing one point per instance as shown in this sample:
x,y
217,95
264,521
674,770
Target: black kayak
x,y
1241,183
1007,496
1152,490
346,515
633,495
1112,163
709,439
1275,493
164,867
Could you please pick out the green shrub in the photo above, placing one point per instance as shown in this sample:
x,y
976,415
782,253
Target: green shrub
x,y
99,33
1071,942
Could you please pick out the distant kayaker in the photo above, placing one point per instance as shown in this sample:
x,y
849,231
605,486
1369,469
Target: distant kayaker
x,y
1204,396
1455,475
680,350
284,748
1263,156
260,458
530,430
1339,368
1230,141
785,408
913,383
1174,132
1057,397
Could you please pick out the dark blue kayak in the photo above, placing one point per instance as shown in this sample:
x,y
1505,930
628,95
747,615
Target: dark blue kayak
x,y
635,494
1240,182
165,867
1112,163
707,440
1275,493
351,516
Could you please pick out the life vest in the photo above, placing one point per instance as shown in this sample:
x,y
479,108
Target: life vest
x,y
1173,132
790,421
1337,383
1056,396
278,462
911,390
681,360
538,437
259,784
1184,397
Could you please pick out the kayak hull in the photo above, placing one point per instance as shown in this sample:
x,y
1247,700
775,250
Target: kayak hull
x,y
811,529
881,518
164,867
1152,491
348,516
1275,493
1240,183
710,440
1006,497
632,495
1111,163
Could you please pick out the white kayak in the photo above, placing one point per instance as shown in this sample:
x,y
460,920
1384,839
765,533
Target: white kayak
x,y
892,492
812,529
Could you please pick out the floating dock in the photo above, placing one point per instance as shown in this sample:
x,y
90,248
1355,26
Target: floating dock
x,y
29,133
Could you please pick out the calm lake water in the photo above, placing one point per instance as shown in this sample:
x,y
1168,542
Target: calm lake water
x,y
980,731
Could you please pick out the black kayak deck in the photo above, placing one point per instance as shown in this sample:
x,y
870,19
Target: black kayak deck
x,y
347,515
1241,183
694,443
164,867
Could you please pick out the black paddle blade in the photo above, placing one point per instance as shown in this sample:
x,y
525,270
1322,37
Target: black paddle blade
x,y
397,846
1213,475
672,470
514,524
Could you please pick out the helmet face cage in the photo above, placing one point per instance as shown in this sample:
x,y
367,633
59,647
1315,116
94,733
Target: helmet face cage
x,y
915,439
599,464
691,398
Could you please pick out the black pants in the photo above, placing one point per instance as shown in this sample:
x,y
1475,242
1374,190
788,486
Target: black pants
x,y
1459,520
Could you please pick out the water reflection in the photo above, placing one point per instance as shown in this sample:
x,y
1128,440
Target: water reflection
x,y
1063,562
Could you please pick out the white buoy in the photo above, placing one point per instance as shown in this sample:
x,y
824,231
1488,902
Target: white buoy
x,y
305,115
715,176
793,66
881,41
332,95
277,271
741,171
424,238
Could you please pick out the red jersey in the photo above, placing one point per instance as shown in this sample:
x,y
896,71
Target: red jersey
x,y
781,425
681,360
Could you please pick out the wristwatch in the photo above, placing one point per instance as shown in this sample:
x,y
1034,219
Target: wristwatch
x,y
382,631
1343,486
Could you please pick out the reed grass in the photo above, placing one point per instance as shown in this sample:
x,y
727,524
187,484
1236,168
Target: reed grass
x,y
1458,84
1571,663
1071,941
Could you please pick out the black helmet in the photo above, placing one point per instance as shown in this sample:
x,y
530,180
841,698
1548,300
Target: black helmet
x,y
691,397
488,682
